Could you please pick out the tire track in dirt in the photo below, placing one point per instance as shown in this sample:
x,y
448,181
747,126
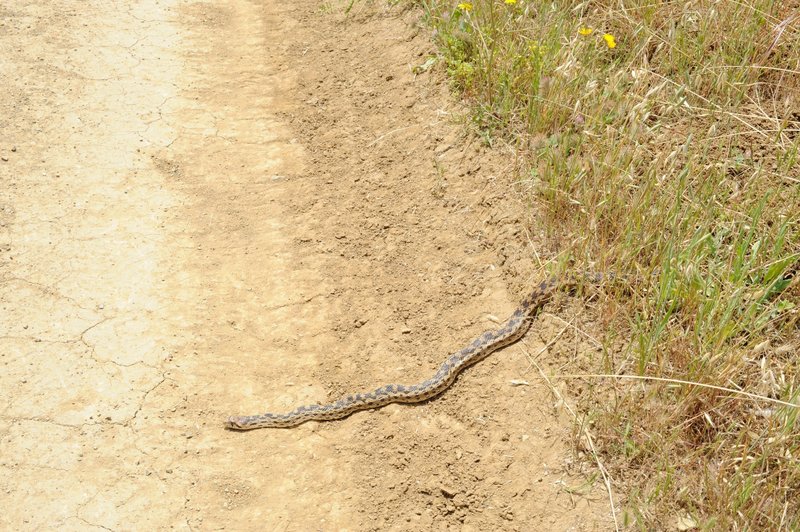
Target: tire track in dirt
x,y
79,273
262,306
146,264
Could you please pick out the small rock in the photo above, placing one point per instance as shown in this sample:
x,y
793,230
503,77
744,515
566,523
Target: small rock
x,y
448,491
460,501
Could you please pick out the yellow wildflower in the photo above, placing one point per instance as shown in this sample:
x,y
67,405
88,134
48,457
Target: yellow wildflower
x,y
609,40
585,31
537,48
466,6
511,2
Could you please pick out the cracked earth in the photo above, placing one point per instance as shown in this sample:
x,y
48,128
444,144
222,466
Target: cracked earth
x,y
222,208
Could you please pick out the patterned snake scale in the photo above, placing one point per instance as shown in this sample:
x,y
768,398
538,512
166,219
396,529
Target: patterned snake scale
x,y
490,341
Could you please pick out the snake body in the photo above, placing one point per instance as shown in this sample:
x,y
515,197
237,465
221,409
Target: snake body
x,y
485,344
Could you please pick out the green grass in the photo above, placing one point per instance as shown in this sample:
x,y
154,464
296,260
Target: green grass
x,y
671,157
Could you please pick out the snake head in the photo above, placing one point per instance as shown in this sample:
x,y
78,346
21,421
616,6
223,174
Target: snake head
x,y
235,423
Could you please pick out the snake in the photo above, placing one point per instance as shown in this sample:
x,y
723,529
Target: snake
x,y
481,347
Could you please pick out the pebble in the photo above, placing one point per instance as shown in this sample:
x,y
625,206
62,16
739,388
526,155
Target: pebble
x,y
460,501
448,491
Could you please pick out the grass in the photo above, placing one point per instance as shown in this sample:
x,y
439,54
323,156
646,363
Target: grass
x,y
660,139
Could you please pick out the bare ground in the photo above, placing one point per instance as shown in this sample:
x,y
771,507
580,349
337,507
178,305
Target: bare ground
x,y
210,209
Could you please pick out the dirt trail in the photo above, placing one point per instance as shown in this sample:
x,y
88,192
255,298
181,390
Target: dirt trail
x,y
221,208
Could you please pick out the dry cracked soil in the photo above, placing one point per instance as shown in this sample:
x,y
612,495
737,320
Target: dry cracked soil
x,y
217,208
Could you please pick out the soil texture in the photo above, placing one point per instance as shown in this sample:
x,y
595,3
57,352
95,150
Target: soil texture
x,y
219,208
